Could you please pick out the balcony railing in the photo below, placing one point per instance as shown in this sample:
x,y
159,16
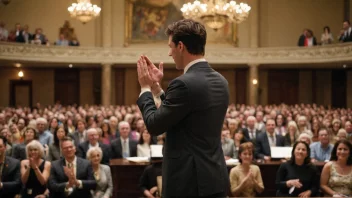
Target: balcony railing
x,y
215,54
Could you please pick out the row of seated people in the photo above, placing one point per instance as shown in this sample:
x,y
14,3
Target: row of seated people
x,y
69,176
271,137
296,177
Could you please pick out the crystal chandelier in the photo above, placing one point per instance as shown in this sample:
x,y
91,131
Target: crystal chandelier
x,y
84,10
215,13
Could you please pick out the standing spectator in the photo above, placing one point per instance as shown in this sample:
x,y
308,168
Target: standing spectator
x,y
310,39
19,33
302,38
39,37
74,41
326,36
3,32
62,41
26,34
347,35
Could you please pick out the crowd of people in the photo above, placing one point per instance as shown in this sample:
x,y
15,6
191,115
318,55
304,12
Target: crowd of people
x,y
46,144
22,34
308,39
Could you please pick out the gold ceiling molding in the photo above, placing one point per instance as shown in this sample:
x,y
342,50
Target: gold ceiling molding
x,y
215,54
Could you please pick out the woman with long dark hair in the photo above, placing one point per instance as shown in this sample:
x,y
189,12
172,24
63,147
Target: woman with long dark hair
x,y
54,149
336,177
298,176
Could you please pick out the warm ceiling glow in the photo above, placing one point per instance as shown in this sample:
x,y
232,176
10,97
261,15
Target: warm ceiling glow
x,y
18,65
255,81
84,10
216,13
20,74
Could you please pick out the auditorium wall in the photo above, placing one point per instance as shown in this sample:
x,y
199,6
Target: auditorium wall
x,y
42,84
280,22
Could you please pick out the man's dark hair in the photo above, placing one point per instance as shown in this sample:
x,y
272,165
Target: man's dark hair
x,y
191,33
4,140
347,21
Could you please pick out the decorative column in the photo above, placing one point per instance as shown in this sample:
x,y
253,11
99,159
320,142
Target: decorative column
x,y
254,24
106,84
253,84
106,23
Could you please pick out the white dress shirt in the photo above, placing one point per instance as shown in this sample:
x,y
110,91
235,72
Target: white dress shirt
x,y
125,147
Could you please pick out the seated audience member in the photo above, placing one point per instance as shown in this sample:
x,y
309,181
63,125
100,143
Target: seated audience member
x,y
341,135
3,32
148,180
106,136
16,135
143,147
280,122
259,125
292,134
228,146
124,146
268,139
34,171
102,174
238,139
70,127
4,132
304,137
19,150
55,152
93,141
250,133
39,38
246,179
336,175
45,136
302,125
113,123
298,173
71,176
321,151
348,128
232,125
80,135
74,42
10,182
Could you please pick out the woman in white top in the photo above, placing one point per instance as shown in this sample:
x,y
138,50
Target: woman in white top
x,y
326,36
143,146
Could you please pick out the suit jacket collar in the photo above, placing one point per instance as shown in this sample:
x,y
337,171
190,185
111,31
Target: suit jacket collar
x,y
193,63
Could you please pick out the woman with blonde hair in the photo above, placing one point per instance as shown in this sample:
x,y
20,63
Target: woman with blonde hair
x,y
292,133
34,171
246,179
102,174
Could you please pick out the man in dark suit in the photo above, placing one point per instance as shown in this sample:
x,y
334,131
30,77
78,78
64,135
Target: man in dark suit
x,y
93,140
192,112
123,146
71,176
347,35
251,133
268,139
10,176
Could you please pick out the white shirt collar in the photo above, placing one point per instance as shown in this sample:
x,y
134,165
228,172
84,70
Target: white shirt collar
x,y
192,63
121,138
96,145
73,162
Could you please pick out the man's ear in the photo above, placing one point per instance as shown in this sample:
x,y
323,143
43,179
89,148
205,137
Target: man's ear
x,y
180,46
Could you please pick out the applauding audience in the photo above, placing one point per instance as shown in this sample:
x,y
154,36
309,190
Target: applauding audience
x,y
71,176
298,177
246,179
34,171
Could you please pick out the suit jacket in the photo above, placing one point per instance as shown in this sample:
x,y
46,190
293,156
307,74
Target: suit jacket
x,y
192,113
229,148
347,37
84,147
58,179
54,153
20,37
10,178
116,148
263,146
104,184
19,152
247,136
75,137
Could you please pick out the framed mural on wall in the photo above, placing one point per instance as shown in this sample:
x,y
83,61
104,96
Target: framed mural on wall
x,y
146,21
